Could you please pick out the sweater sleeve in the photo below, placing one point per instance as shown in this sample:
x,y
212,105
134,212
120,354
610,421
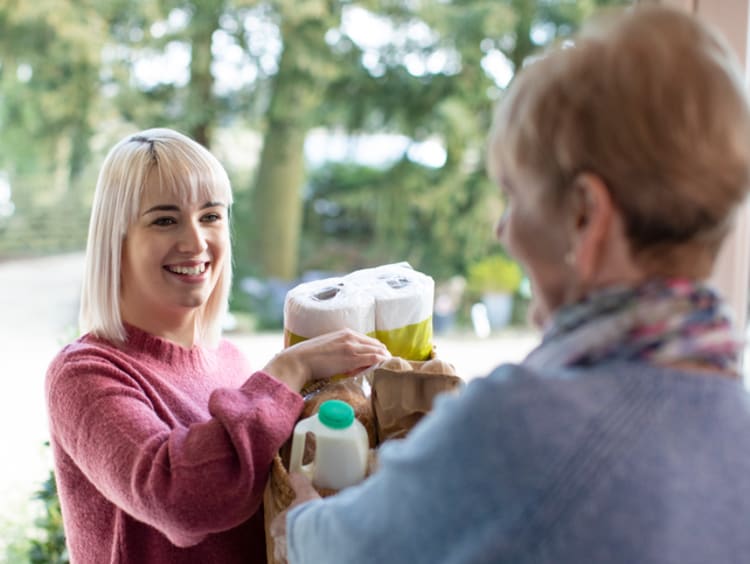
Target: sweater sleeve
x,y
185,481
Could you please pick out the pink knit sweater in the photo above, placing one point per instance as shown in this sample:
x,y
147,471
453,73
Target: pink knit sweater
x,y
161,452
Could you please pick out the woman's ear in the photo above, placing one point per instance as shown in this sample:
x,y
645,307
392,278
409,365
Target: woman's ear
x,y
592,217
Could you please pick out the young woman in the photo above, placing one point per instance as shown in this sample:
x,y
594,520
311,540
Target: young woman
x,y
162,435
625,436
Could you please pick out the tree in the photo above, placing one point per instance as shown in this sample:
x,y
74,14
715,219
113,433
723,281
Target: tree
x,y
49,86
69,70
271,238
439,219
149,31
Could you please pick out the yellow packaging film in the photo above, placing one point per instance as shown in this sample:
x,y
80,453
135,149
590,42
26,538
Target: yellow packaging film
x,y
413,342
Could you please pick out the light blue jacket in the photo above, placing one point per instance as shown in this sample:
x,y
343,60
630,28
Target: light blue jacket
x,y
625,463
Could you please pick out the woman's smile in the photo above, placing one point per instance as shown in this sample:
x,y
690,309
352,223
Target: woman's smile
x,y
191,272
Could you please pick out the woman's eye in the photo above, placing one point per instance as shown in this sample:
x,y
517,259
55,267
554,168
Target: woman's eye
x,y
211,217
164,221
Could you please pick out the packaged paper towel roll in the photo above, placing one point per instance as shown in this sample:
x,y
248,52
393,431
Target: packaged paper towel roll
x,y
322,306
403,307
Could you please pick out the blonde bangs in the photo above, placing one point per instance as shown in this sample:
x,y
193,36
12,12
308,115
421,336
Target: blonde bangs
x,y
188,171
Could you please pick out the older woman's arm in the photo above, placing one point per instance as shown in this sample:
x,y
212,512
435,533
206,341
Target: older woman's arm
x,y
437,496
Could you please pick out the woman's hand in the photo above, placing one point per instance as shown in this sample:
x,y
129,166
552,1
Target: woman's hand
x,y
341,352
304,492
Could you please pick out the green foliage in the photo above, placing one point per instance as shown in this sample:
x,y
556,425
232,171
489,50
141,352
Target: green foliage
x,y
37,229
358,216
50,548
69,89
49,65
495,273
439,219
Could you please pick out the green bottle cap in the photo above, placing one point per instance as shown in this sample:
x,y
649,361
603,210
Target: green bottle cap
x,y
336,414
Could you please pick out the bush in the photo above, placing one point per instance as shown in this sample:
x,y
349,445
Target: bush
x,y
494,274
50,548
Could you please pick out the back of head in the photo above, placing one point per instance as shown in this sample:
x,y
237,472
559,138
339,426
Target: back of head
x,y
184,168
652,101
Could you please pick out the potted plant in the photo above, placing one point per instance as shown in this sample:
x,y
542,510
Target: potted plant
x,y
494,280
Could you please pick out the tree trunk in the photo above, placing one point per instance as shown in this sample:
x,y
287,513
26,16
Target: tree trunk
x,y
201,104
273,246
278,200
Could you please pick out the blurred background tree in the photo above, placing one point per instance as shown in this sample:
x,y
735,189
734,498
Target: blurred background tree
x,y
272,87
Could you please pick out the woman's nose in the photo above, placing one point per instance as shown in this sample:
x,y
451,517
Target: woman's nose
x,y
192,238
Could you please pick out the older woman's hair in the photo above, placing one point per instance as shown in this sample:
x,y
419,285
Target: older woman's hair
x,y
652,101
183,167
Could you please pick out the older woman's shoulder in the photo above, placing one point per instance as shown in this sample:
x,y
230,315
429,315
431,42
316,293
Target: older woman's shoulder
x,y
562,397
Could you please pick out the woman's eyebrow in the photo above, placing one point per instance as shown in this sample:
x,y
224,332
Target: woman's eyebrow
x,y
162,207
174,208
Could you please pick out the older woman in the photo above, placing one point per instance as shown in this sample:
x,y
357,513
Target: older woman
x,y
625,436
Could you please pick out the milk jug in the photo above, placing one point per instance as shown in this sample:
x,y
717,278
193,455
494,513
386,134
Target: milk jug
x,y
341,446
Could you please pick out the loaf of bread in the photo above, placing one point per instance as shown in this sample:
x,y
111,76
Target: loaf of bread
x,y
350,390
397,364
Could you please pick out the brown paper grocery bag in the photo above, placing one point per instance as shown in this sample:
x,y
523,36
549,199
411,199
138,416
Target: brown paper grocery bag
x,y
401,399
398,400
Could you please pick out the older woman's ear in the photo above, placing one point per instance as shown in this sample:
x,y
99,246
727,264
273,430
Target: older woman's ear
x,y
600,251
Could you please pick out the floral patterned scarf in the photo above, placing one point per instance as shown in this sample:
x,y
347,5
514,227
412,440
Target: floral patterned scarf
x,y
661,321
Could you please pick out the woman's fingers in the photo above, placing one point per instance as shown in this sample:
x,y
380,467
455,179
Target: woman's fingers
x,y
303,489
340,352
278,534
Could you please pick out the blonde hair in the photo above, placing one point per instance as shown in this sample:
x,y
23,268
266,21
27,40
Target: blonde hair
x,y
181,165
653,102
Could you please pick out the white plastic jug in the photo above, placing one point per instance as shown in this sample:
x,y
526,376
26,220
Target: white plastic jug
x,y
341,446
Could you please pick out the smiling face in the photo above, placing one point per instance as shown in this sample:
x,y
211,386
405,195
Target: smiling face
x,y
173,255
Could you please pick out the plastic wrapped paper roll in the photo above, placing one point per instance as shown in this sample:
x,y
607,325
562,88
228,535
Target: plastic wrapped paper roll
x,y
319,307
403,307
